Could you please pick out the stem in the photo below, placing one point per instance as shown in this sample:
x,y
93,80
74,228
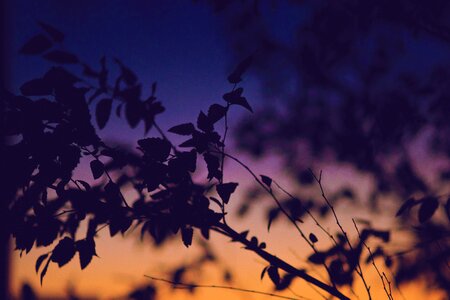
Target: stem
x,y
290,218
358,268
388,293
192,285
275,261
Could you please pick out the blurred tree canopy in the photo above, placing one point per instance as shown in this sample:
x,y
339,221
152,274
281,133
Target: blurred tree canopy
x,y
359,83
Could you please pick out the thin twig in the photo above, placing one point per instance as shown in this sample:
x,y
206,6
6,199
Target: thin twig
x,y
192,285
290,218
388,292
279,263
358,268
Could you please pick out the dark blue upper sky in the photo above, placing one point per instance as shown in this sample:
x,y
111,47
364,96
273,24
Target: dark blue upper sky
x,y
179,44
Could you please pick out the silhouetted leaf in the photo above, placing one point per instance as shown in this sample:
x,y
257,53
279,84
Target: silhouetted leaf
x,y
406,206
235,97
97,168
103,111
183,129
54,33
213,165
61,57
274,275
427,208
264,272
155,148
86,185
216,112
64,251
36,45
305,177
133,112
273,214
266,180
317,258
313,238
186,235
285,282
204,123
44,270
225,190
112,195
36,87
40,260
128,76
235,77
262,245
86,250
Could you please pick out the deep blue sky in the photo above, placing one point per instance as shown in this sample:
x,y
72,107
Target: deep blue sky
x,y
179,44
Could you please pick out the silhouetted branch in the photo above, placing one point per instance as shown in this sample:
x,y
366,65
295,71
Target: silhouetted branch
x,y
388,292
359,268
275,261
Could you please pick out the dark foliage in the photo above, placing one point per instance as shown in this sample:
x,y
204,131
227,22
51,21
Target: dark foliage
x,y
364,81
51,129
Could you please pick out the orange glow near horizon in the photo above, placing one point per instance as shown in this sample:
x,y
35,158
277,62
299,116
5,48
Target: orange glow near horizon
x,y
123,261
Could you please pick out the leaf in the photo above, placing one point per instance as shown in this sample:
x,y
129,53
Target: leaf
x,y
264,272
274,275
203,123
36,87
225,190
406,206
103,111
273,214
427,208
40,260
64,251
317,258
213,165
305,177
36,45
183,129
186,235
133,112
155,148
86,250
97,168
235,97
235,77
266,180
262,245
128,76
54,33
44,271
216,112
61,57
87,186
285,282
313,238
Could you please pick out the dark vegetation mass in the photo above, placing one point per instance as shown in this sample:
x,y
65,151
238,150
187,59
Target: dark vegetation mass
x,y
351,95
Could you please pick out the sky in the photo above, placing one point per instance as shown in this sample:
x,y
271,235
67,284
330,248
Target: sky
x,y
182,46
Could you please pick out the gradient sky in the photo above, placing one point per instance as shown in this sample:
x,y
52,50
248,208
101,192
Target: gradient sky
x,y
181,45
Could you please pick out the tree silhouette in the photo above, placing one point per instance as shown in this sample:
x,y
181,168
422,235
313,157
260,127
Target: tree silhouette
x,y
364,84
50,131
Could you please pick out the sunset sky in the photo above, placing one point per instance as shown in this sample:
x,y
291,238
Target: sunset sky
x,y
181,45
